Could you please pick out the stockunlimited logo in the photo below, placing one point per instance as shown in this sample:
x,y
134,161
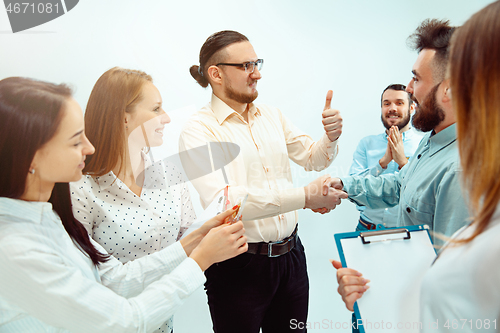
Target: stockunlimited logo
x,y
28,14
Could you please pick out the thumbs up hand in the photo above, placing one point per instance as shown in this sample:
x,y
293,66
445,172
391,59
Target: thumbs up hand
x,y
332,121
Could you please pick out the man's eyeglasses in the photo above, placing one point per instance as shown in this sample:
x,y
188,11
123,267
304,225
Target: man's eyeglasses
x,y
249,66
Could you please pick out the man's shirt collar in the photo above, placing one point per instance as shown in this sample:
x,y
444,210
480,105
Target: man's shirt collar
x,y
442,139
222,111
32,211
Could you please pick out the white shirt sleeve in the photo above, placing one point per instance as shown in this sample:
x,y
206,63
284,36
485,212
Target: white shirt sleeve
x,y
304,151
39,273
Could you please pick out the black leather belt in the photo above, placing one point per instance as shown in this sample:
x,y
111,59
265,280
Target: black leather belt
x,y
275,249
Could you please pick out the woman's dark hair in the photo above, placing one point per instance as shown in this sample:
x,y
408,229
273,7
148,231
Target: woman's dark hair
x,y
30,113
211,53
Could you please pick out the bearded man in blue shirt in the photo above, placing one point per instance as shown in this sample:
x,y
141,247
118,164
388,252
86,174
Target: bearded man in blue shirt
x,y
386,153
427,189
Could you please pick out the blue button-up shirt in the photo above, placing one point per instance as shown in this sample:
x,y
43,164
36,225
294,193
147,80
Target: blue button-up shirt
x,y
427,188
365,161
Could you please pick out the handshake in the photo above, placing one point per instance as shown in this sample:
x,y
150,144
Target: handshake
x,y
324,194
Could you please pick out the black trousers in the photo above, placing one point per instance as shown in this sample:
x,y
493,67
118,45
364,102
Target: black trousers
x,y
252,291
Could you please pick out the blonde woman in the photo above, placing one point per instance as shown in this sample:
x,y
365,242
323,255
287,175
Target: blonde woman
x,y
54,278
129,205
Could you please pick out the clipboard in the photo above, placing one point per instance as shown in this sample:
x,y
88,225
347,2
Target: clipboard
x,y
395,261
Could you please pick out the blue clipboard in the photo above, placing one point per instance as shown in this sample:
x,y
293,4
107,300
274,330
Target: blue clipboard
x,y
396,259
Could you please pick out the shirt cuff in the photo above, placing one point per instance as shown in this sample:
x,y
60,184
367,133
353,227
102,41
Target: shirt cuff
x,y
292,199
196,278
330,147
347,182
175,254
378,169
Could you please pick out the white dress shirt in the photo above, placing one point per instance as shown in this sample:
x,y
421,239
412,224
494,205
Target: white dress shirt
x,y
48,285
461,290
261,169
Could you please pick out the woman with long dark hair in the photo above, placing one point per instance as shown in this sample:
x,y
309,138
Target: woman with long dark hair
x,y
53,276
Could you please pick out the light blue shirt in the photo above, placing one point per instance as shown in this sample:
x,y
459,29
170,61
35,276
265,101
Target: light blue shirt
x,y
48,285
365,161
427,189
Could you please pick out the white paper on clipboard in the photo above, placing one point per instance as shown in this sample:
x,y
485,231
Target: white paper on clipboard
x,y
395,268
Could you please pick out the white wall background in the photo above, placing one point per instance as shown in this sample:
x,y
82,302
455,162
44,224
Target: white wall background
x,y
356,48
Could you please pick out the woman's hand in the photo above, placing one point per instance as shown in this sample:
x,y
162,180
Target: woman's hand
x,y
216,221
221,243
352,285
193,239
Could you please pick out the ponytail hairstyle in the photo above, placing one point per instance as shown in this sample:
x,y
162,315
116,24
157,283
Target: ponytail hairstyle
x,y
212,52
31,112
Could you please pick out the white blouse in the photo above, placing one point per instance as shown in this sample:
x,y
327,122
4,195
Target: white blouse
x,y
129,226
461,290
49,285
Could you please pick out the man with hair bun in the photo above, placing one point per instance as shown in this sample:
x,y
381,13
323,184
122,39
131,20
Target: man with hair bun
x,y
268,286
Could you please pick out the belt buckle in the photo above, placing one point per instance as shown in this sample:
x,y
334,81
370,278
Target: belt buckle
x,y
283,241
270,249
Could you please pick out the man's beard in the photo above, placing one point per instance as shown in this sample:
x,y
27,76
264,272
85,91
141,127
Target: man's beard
x,y
404,121
239,97
428,114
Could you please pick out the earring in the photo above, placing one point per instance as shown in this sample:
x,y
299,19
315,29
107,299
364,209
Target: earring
x,y
32,171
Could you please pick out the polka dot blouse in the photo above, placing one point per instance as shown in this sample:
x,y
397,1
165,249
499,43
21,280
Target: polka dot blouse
x,y
129,226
